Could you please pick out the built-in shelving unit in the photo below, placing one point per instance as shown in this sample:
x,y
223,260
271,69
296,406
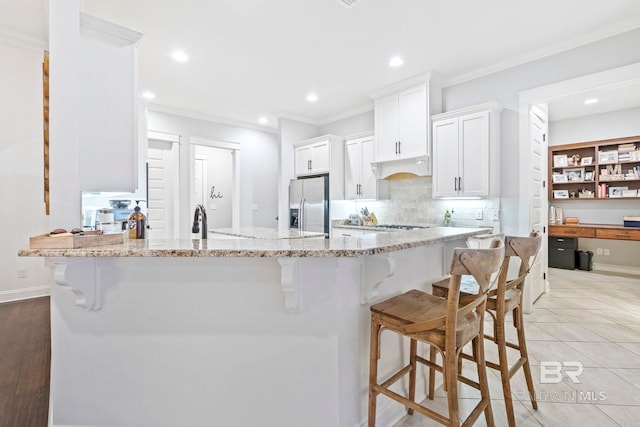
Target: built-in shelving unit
x,y
597,170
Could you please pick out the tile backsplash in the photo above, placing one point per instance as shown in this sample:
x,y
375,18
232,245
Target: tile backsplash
x,y
411,202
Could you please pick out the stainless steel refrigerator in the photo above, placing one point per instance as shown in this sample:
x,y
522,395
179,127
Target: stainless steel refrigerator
x,y
309,204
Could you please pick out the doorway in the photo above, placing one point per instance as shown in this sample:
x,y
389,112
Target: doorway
x,y
215,181
533,208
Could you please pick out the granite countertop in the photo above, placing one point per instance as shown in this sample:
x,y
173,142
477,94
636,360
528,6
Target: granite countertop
x,y
375,243
266,233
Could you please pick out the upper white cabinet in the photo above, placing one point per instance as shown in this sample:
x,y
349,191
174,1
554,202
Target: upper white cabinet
x,y
107,124
359,180
402,115
401,121
466,152
313,158
319,156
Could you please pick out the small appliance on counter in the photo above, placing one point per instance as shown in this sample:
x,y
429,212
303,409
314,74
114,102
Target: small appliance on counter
x,y
631,221
355,219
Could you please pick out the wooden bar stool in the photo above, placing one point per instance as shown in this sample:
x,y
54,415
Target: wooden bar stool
x,y
507,297
446,326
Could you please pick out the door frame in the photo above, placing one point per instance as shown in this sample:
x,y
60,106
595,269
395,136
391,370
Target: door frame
x,y
234,147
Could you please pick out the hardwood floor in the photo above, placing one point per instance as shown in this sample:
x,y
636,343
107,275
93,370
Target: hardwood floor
x,y
25,355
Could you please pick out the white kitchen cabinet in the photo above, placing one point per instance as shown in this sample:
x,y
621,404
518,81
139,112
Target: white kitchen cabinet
x,y
107,122
359,180
319,156
466,152
401,121
313,158
402,136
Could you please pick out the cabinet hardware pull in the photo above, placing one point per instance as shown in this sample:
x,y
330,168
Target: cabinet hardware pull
x,y
399,147
459,183
560,249
622,235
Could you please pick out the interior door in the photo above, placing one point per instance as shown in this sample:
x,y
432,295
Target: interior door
x,y
538,130
162,189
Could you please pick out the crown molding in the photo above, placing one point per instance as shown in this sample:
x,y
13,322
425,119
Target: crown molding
x,y
347,114
298,118
123,36
594,36
23,42
209,118
423,78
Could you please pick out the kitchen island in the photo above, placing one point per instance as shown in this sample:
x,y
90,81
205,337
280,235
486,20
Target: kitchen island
x,y
246,332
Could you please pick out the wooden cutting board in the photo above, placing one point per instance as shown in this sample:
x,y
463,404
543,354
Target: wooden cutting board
x,y
74,241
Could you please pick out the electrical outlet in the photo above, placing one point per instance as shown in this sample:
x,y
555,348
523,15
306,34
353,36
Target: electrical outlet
x,y
598,251
607,252
479,214
496,215
22,273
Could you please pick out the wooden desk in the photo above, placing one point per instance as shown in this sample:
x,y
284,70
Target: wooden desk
x,y
595,231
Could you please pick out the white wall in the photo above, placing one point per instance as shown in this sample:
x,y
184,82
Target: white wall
x,y
258,166
218,193
22,211
362,122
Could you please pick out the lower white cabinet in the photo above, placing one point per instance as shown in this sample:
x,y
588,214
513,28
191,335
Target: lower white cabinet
x,y
466,152
359,180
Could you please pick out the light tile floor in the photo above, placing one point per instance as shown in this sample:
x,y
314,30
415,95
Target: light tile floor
x,y
587,317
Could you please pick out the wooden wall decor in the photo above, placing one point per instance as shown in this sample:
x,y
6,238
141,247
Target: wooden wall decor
x,y
45,111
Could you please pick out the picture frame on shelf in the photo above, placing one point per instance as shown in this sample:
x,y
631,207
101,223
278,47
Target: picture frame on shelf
x,y
575,174
605,157
560,161
559,178
586,161
588,176
617,191
560,194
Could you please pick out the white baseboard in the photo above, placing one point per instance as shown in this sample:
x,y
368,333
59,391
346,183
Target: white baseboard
x,y
614,268
24,293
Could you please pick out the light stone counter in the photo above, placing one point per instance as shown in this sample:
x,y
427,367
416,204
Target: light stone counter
x,y
264,233
372,244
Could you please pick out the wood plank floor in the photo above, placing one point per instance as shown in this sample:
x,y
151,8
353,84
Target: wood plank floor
x,y
25,361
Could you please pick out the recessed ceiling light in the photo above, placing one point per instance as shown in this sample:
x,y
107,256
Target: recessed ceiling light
x,y
148,95
396,61
590,101
263,120
312,97
180,56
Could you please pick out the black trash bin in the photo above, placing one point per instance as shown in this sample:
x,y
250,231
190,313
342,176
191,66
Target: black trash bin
x,y
584,260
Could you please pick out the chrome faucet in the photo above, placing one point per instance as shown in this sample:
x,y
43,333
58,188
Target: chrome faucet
x,y
200,213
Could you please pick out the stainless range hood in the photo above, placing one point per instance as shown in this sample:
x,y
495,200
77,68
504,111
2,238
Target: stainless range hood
x,y
415,166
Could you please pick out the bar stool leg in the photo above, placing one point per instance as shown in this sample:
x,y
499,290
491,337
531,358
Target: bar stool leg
x,y
522,345
373,369
450,366
432,371
503,362
478,345
413,348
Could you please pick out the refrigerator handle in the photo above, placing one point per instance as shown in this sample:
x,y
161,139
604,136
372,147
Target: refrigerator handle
x,y
301,215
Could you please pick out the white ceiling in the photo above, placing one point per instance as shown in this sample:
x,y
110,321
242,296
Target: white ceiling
x,y
252,58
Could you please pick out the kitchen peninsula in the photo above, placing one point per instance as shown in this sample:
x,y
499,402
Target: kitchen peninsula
x,y
241,332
